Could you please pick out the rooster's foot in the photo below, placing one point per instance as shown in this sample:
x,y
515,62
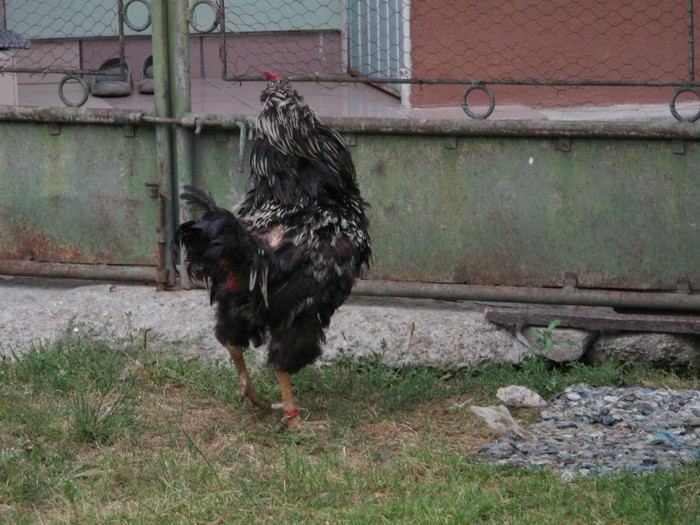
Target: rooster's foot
x,y
292,421
246,390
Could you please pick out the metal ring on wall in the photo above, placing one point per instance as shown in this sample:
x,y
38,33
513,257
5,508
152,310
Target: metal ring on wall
x,y
672,104
131,26
62,96
465,106
195,25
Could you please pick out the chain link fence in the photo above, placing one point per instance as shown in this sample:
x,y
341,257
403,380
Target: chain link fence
x,y
432,47
65,37
74,40
429,52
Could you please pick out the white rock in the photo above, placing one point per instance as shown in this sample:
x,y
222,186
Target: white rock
x,y
520,396
499,419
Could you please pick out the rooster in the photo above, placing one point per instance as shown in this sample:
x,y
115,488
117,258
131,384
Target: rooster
x,y
286,259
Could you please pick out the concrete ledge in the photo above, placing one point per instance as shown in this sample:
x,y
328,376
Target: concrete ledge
x,y
429,333
440,334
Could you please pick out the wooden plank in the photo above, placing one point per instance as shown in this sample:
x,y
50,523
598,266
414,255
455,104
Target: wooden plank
x,y
595,320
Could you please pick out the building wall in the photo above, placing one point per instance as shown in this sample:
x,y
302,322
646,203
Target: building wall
x,y
609,40
303,37
51,19
8,81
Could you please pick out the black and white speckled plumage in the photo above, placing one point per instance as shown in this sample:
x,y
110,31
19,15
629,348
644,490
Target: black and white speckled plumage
x,y
286,259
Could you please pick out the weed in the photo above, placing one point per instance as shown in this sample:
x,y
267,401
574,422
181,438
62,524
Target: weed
x,y
99,420
544,337
545,340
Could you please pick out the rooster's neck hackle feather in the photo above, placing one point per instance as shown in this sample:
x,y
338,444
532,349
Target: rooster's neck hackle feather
x,y
294,149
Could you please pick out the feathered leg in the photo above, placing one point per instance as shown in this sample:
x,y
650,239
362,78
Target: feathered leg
x,y
290,419
245,388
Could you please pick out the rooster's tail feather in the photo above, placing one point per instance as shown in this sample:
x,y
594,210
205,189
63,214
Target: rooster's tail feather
x,y
217,245
200,202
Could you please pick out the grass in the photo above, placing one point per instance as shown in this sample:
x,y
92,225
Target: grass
x,y
93,434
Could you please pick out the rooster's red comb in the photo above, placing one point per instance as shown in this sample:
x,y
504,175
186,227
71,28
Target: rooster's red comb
x,y
270,76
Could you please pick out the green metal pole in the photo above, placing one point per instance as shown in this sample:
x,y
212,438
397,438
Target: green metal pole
x,y
181,103
161,73
529,295
180,93
108,272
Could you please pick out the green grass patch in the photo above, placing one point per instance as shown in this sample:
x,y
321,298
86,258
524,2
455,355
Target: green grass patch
x,y
93,434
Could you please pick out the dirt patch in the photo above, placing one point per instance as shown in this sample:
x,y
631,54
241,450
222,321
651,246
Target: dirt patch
x,y
450,418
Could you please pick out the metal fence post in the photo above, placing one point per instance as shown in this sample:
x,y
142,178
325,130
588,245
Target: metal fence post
x,y
161,74
180,102
180,93
170,39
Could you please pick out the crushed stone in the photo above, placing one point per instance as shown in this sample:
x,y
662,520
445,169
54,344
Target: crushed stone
x,y
586,430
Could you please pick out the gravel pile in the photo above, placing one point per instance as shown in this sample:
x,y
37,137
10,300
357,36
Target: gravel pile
x,y
603,430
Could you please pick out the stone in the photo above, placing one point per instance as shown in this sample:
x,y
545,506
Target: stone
x,y
499,419
569,344
520,397
658,349
438,334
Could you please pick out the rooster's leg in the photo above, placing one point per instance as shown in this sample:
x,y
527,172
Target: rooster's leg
x,y
245,388
291,414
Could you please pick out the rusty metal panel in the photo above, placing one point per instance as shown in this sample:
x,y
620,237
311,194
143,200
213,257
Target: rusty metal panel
x,y
543,212
605,208
540,207
217,167
77,193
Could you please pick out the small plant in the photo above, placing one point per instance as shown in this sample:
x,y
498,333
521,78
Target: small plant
x,y
99,421
544,338
71,493
541,375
